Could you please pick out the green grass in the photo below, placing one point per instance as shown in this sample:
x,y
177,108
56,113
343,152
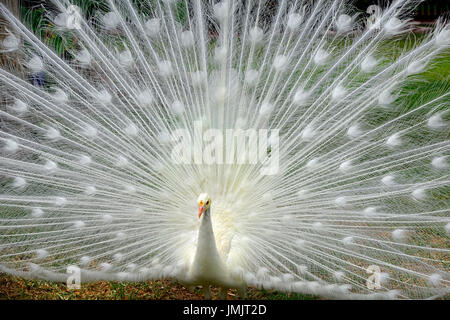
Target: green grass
x,y
13,288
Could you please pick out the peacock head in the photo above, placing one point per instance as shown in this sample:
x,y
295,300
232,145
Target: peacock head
x,y
204,202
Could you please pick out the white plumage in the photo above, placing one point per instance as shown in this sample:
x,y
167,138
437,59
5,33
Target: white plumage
x,y
354,176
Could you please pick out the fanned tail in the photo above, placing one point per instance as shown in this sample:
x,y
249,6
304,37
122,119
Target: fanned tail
x,y
355,119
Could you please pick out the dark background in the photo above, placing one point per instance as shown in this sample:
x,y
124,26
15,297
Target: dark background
x,y
429,10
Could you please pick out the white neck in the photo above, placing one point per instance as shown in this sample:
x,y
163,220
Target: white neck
x,y
207,263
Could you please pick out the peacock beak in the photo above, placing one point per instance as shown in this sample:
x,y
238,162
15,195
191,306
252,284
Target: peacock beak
x,y
200,211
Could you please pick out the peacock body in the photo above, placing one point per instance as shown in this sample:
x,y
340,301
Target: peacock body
x,y
106,148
